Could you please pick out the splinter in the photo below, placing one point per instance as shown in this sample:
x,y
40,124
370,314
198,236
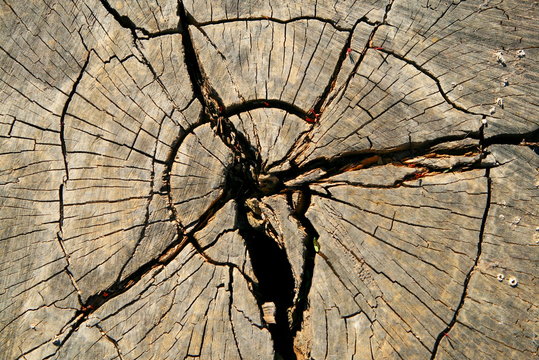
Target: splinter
x,y
268,311
349,54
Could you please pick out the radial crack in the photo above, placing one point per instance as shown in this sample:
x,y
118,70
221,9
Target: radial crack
x,y
275,280
59,237
311,248
464,295
64,113
212,104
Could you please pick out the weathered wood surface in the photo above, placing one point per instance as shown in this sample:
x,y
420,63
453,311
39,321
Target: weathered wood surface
x,y
170,168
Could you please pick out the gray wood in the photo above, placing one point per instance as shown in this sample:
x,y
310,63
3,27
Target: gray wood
x,y
256,180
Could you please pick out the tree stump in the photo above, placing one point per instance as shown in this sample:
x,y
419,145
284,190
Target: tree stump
x,y
258,180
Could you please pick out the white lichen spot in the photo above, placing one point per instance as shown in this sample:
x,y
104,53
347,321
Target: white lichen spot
x,y
521,54
500,59
513,281
502,217
492,110
515,222
501,277
460,88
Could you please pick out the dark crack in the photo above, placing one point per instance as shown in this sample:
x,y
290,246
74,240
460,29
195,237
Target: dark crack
x,y
64,113
59,237
275,282
147,208
331,22
432,77
230,304
123,20
212,104
311,248
127,23
320,103
530,138
360,160
445,332
236,109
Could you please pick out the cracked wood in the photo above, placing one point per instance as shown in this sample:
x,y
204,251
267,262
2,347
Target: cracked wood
x,y
368,169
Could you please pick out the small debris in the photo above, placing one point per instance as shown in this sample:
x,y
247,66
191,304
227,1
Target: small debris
x,y
312,116
316,244
57,342
513,282
349,54
505,82
484,121
268,311
521,54
492,110
87,308
33,326
453,84
499,102
500,58
255,217
501,277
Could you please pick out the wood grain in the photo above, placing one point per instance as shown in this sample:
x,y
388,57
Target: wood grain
x,y
256,180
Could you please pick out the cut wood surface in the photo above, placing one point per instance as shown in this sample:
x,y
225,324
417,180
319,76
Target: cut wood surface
x,y
261,180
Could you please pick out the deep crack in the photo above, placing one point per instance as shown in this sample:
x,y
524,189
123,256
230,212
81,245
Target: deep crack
x,y
311,248
275,280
